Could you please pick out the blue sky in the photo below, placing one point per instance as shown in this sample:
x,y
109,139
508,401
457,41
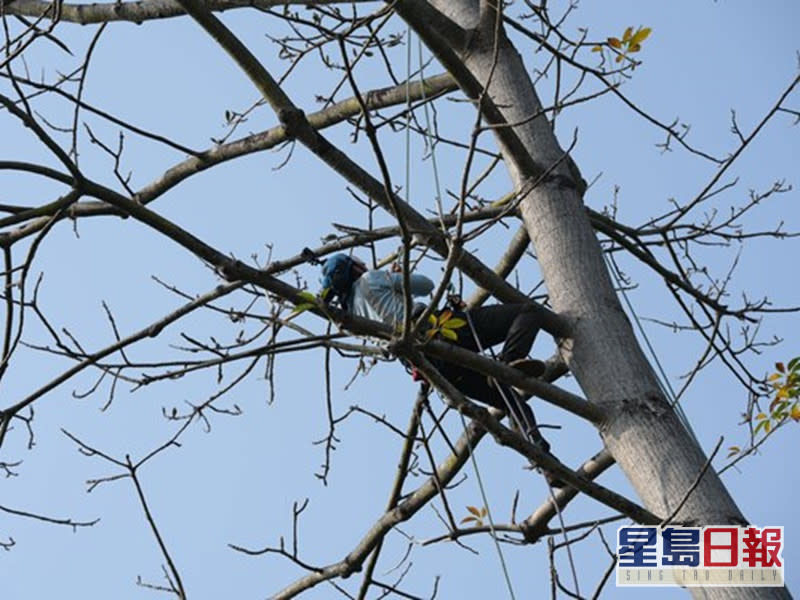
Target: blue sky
x,y
237,484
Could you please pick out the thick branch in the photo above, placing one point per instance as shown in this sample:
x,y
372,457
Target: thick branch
x,y
511,439
535,525
138,12
265,140
298,127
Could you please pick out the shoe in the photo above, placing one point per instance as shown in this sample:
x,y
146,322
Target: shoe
x,y
529,366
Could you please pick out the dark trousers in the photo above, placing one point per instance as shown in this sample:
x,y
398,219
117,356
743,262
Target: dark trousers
x,y
516,326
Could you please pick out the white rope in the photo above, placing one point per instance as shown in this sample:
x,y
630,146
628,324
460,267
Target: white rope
x,y
526,429
428,126
488,510
473,460
408,115
661,376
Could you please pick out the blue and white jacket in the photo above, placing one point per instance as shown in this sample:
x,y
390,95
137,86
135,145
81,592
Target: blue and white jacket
x,y
378,295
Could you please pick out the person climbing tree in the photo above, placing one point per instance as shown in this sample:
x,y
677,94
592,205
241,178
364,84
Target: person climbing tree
x,y
378,295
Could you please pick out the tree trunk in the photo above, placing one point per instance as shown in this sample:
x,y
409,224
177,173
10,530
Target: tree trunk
x,y
641,431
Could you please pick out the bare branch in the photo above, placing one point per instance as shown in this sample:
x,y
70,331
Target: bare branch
x,y
139,11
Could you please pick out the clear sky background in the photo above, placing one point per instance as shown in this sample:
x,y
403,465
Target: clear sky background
x,y
237,483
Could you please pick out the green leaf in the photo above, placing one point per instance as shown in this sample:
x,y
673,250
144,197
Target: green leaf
x,y
760,425
449,334
307,296
454,323
302,307
794,364
627,35
778,405
640,36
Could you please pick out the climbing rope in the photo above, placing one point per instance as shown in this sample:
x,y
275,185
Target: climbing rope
x,y
473,460
428,127
525,428
485,500
661,376
408,116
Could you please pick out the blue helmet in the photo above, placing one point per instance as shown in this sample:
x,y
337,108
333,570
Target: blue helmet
x,y
337,275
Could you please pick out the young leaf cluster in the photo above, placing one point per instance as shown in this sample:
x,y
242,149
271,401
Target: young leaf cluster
x,y
630,43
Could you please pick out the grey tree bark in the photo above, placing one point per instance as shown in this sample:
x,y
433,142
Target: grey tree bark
x,y
596,341
642,432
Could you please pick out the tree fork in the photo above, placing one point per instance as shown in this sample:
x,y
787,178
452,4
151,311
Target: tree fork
x,y
641,430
